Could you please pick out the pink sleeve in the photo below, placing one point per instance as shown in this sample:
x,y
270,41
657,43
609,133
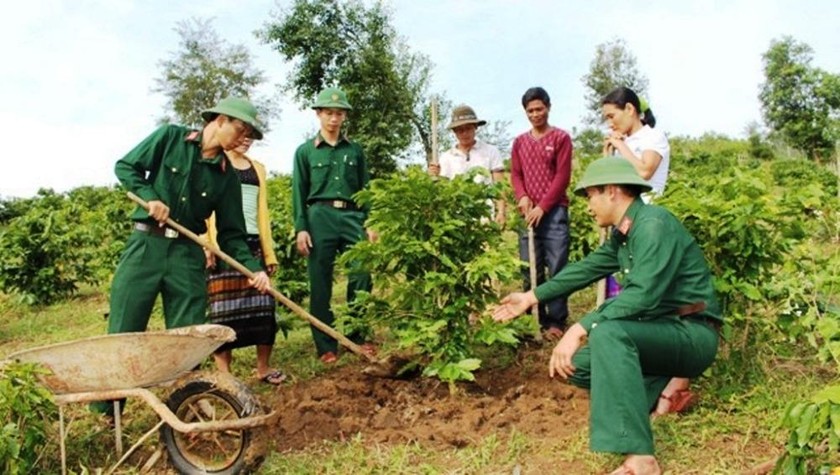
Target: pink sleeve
x,y
517,179
557,191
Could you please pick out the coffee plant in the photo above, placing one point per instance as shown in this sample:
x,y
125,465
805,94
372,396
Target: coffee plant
x,y
48,252
813,445
291,276
26,414
437,265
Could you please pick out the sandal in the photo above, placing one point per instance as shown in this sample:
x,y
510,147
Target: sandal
x,y
553,334
274,377
680,401
328,358
369,349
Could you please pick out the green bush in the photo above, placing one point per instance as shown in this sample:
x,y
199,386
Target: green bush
x,y
291,277
48,251
435,267
26,412
106,213
796,174
814,442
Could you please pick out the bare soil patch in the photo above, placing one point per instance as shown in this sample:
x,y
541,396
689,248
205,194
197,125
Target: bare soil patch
x,y
347,402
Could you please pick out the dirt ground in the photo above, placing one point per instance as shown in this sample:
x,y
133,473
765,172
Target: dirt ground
x,y
347,402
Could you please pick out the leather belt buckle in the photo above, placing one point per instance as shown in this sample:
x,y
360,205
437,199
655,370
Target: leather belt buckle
x,y
171,233
339,204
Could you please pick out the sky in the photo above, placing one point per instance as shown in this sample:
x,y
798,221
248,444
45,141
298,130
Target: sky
x,y
77,75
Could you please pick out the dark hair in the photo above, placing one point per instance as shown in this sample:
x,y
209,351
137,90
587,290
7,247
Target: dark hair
x,y
621,96
535,94
629,190
632,190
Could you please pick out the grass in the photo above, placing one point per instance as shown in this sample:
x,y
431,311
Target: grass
x,y
730,431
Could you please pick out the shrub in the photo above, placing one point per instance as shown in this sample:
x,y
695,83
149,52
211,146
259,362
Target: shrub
x,y
434,267
26,409
47,252
105,212
291,276
813,445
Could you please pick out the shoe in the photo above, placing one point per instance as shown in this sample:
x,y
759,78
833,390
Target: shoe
x,y
679,402
328,358
553,333
275,377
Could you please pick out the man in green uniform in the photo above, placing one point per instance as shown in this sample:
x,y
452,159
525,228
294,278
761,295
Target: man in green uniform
x,y
663,324
183,174
328,170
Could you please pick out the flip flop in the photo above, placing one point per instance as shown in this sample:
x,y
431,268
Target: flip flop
x,y
553,334
275,377
328,358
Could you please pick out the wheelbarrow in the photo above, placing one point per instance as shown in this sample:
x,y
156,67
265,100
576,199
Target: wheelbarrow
x,y
209,421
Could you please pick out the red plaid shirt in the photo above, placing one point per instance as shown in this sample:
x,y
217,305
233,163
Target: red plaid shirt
x,y
541,168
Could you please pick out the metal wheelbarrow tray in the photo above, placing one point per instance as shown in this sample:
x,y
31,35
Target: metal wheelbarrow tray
x,y
213,413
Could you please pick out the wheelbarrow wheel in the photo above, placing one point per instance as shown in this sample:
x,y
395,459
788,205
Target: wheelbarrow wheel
x,y
206,396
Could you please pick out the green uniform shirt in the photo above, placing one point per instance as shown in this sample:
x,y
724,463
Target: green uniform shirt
x,y
167,166
660,267
326,172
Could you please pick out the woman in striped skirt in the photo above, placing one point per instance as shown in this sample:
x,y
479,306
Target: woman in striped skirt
x,y
233,302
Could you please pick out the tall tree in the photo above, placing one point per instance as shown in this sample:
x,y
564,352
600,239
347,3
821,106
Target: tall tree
x,y
614,65
351,44
798,101
205,69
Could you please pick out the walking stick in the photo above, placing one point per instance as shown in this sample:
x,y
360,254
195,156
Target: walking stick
x,y
532,262
601,287
297,309
434,132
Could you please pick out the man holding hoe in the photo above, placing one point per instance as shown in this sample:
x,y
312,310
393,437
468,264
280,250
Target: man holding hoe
x,y
663,324
182,174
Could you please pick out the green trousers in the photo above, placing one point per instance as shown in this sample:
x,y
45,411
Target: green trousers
x,y
152,265
332,231
626,364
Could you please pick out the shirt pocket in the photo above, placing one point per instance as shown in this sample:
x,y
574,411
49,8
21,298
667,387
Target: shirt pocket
x,y
350,172
174,170
320,169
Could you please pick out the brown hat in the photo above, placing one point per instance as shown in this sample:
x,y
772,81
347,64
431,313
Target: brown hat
x,y
462,115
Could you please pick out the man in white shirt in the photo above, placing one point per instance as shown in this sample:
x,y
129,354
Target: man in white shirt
x,y
469,153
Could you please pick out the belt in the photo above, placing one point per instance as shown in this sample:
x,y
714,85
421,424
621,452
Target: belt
x,y
168,233
692,312
337,204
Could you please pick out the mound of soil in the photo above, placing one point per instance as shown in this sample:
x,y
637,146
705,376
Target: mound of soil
x,y
346,402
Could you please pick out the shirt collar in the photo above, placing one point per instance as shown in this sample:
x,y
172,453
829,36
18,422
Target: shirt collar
x,y
319,140
457,151
622,229
194,137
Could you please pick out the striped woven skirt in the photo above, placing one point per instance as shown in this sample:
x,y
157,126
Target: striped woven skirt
x,y
233,302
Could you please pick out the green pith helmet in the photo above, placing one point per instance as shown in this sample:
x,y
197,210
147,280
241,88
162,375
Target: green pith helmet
x,y
610,171
332,98
238,108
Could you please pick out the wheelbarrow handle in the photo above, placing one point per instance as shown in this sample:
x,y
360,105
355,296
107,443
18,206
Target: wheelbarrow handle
x,y
297,309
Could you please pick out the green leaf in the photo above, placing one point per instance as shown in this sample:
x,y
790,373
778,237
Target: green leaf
x,y
830,394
